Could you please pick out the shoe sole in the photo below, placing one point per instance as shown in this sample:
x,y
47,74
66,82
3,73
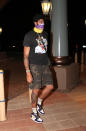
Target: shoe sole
x,y
36,121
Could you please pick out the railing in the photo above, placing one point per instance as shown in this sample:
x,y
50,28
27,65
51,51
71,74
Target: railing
x,y
2,97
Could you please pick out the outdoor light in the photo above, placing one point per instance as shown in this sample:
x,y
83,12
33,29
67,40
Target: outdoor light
x,y
0,30
84,46
85,22
46,7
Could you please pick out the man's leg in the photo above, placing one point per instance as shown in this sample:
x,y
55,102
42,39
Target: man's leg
x,y
35,86
47,81
45,92
34,97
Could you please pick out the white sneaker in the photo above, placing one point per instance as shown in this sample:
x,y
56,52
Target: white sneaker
x,y
36,118
40,109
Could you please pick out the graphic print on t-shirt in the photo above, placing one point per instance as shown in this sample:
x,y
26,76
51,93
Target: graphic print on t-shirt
x,y
42,45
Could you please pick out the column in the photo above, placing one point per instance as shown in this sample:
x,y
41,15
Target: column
x,y
59,32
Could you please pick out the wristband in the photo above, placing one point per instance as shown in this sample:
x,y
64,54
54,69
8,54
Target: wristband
x,y
27,70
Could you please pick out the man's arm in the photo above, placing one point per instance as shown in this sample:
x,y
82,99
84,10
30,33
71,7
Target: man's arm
x,y
26,64
26,57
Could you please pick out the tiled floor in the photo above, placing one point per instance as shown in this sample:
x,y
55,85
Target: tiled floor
x,y
64,111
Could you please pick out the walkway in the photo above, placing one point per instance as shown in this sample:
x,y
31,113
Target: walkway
x,y
64,111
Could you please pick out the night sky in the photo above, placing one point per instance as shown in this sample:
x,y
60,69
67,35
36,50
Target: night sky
x,y
16,20
76,17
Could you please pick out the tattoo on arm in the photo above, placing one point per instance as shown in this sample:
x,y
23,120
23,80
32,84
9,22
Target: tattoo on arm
x,y
33,98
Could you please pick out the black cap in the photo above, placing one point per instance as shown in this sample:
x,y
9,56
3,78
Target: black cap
x,y
37,17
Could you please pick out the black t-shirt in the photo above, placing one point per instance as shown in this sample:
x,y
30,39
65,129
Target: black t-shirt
x,y
38,47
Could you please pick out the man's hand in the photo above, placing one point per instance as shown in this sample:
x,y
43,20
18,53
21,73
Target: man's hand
x,y
29,77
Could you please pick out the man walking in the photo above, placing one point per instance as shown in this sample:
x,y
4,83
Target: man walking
x,y
36,64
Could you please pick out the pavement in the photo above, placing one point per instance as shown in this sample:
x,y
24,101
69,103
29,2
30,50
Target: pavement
x,y
63,111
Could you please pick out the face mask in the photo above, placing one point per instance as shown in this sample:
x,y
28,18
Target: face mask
x,y
41,26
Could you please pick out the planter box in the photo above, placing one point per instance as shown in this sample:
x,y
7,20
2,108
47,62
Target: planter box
x,y
67,76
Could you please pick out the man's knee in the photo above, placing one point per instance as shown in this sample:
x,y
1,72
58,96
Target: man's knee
x,y
50,87
36,91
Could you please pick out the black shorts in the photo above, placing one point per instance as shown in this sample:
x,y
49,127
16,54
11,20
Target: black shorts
x,y
42,76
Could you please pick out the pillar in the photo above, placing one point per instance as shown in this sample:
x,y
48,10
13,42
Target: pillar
x,y
66,77
59,32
